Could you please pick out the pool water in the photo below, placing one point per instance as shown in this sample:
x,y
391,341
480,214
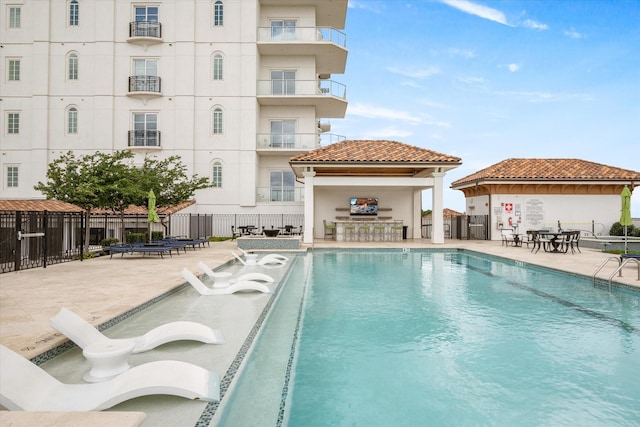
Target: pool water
x,y
391,338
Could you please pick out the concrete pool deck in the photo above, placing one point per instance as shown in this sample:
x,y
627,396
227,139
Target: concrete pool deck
x,y
103,288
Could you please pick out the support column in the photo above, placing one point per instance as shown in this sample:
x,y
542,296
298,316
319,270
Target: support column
x,y
309,206
437,217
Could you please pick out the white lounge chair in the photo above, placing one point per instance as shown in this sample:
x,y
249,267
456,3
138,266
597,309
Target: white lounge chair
x,y
224,278
276,256
84,334
252,259
246,285
27,387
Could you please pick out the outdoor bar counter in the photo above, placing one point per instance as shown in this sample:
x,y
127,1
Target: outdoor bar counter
x,y
368,230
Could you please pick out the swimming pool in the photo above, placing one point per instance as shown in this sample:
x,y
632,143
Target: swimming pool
x,y
381,338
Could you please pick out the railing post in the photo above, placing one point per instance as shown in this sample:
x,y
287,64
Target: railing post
x,y
45,225
18,254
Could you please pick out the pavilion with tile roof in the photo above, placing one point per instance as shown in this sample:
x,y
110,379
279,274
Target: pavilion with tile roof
x,y
535,193
393,172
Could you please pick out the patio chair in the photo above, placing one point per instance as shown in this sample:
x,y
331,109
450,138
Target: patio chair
x,y
252,259
84,334
507,236
25,386
329,230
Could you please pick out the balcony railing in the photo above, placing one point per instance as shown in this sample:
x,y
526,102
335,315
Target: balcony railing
x,y
145,29
285,87
280,195
144,138
302,34
145,84
295,142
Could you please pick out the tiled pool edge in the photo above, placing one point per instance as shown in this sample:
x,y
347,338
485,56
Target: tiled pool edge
x,y
225,382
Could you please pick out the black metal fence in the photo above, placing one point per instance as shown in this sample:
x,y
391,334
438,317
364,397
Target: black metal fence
x,y
36,239
462,227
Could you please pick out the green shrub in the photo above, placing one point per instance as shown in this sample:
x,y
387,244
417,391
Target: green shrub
x,y
635,232
109,241
136,237
157,235
617,229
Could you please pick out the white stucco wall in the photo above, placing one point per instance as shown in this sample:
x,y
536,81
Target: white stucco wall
x,y
584,212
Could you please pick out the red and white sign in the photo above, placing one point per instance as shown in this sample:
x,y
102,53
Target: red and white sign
x,y
508,207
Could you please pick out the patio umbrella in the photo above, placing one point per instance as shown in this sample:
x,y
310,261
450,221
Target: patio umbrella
x,y
152,215
625,214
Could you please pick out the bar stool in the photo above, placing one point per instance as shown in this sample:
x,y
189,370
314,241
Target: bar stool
x,y
349,232
396,233
378,233
364,233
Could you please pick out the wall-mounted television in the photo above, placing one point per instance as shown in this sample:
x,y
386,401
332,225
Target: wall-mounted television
x,y
363,206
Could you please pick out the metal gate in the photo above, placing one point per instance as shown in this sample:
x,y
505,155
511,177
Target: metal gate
x,y
34,239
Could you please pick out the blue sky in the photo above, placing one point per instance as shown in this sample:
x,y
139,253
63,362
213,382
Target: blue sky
x,y
489,80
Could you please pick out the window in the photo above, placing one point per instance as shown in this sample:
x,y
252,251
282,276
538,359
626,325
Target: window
x,y
283,30
283,82
145,73
12,176
282,186
217,121
14,17
283,133
146,14
14,70
72,121
145,130
74,10
72,65
13,123
217,174
217,66
218,13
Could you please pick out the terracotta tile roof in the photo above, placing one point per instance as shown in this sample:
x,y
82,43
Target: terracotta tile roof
x,y
373,151
58,206
446,213
549,169
38,206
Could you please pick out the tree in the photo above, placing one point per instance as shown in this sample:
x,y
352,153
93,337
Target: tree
x,y
89,182
110,181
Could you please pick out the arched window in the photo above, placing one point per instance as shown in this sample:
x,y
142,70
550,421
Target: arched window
x,y
72,121
72,66
217,66
218,13
217,175
217,121
74,10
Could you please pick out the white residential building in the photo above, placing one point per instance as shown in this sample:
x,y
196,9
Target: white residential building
x,y
233,87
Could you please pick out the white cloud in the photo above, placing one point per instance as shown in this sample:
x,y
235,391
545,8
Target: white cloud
x,y
573,34
423,73
365,5
373,112
368,111
478,10
462,52
529,23
513,67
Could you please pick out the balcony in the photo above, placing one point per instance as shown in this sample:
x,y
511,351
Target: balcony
x,y
145,33
327,44
277,144
328,97
144,139
280,195
145,87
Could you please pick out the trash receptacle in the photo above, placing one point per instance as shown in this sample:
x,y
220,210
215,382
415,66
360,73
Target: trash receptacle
x,y
404,232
